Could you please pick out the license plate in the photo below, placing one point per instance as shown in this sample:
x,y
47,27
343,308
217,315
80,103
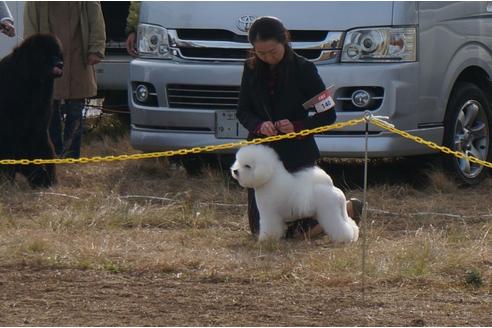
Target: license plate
x,y
227,125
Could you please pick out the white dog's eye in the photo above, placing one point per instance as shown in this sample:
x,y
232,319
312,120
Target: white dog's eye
x,y
247,166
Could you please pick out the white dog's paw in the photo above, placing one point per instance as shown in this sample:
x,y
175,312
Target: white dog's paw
x,y
270,236
271,228
348,235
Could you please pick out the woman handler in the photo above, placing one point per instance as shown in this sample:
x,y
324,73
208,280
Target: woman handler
x,y
275,83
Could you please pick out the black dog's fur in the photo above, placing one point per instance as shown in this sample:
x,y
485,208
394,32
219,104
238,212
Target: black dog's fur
x,y
26,92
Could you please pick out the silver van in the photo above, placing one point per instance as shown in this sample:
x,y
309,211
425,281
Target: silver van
x,y
425,65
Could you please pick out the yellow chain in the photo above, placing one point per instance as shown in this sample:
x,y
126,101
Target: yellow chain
x,y
197,150
429,144
184,151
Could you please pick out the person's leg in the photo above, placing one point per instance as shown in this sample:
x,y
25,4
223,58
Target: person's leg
x,y
72,135
55,128
253,214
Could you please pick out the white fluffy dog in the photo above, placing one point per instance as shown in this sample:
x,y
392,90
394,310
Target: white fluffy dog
x,y
283,197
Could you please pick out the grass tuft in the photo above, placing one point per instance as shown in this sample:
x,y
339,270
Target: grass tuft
x,y
112,267
474,278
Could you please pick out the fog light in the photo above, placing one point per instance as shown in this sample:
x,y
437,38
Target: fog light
x,y
142,93
361,98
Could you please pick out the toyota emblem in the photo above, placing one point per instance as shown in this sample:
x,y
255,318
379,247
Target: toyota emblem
x,y
244,22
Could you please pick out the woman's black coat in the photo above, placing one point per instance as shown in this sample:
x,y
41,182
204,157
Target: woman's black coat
x,y
298,81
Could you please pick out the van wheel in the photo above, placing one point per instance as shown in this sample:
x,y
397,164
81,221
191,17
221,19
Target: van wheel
x,y
467,129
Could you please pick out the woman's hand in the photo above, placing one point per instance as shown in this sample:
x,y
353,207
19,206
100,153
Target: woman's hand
x,y
284,126
268,129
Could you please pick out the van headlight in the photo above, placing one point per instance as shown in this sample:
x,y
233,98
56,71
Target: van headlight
x,y
153,42
385,44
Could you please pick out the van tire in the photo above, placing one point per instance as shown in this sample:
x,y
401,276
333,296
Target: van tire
x,y
467,128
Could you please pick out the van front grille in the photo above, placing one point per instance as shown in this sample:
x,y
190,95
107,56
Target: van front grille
x,y
224,45
224,35
202,96
211,35
239,54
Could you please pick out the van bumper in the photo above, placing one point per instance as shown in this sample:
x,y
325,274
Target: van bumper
x,y
163,128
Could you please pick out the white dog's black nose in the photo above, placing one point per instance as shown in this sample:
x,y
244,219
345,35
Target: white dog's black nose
x,y
236,172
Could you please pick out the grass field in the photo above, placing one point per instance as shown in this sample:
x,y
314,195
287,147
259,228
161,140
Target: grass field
x,y
141,243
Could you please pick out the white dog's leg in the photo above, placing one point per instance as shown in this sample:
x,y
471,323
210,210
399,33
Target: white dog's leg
x,y
271,226
331,213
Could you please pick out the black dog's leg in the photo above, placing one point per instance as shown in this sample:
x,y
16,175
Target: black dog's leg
x,y
41,175
7,172
37,175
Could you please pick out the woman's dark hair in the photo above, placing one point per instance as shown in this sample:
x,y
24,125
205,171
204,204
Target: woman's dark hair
x,y
268,28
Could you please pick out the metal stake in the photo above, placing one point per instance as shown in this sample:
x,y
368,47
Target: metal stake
x,y
367,116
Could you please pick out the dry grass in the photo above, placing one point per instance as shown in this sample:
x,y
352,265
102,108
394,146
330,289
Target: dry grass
x,y
148,216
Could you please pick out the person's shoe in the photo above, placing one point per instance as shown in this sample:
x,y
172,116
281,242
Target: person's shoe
x,y
357,206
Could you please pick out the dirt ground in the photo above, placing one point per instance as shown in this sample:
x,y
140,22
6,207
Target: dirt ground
x,y
91,298
143,244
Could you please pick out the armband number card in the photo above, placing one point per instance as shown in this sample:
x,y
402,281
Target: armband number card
x,y
321,102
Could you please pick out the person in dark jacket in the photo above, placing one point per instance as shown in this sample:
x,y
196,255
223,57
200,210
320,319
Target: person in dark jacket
x,y
275,83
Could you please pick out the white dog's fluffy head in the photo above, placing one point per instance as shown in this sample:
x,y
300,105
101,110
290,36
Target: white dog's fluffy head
x,y
255,165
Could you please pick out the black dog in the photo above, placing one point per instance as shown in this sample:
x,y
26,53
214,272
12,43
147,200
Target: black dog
x,y
26,92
